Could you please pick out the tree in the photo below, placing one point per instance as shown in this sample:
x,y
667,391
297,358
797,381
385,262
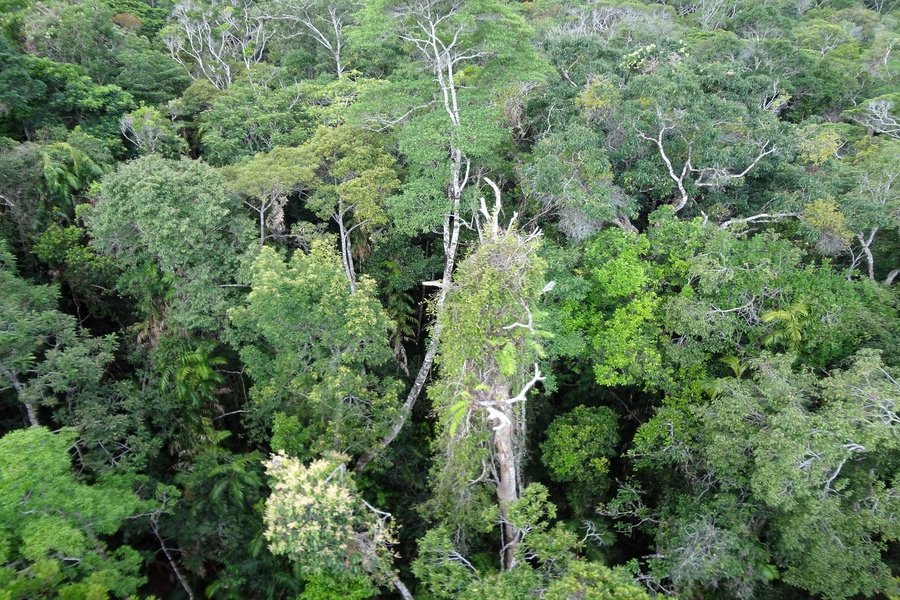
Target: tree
x,y
247,119
150,131
873,204
614,20
212,40
658,306
705,133
267,180
97,109
44,355
19,89
310,346
570,174
316,517
448,36
578,448
878,115
488,365
80,33
325,22
222,509
782,475
790,325
150,77
354,176
555,568
55,526
176,219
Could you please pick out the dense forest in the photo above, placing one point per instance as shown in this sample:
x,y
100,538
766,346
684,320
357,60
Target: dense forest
x,y
439,299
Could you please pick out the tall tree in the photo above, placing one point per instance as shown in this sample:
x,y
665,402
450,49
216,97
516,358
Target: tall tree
x,y
446,147
216,39
267,180
44,355
324,21
488,362
873,204
781,475
57,528
317,517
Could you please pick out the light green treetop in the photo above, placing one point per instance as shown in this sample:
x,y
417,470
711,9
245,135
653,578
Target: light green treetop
x,y
309,344
54,526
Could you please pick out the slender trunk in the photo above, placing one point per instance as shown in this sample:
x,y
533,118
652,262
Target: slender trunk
x,y
871,260
401,588
262,225
867,249
20,387
178,573
623,222
452,224
346,252
32,414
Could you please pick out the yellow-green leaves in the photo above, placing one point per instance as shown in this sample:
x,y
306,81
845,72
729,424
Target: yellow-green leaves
x,y
316,517
308,343
52,522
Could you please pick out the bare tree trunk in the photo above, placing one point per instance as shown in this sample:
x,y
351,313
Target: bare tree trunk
x,y
890,278
401,588
262,226
440,56
867,249
178,573
451,244
20,387
623,222
32,414
346,252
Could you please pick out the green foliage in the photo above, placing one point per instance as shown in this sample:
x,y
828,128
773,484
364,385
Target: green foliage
x,y
591,581
309,343
323,587
354,174
44,356
449,574
811,454
789,328
151,18
495,287
189,381
19,91
247,119
96,108
178,216
714,182
708,290
222,510
68,170
571,175
578,448
150,131
150,77
53,524
79,33
316,517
